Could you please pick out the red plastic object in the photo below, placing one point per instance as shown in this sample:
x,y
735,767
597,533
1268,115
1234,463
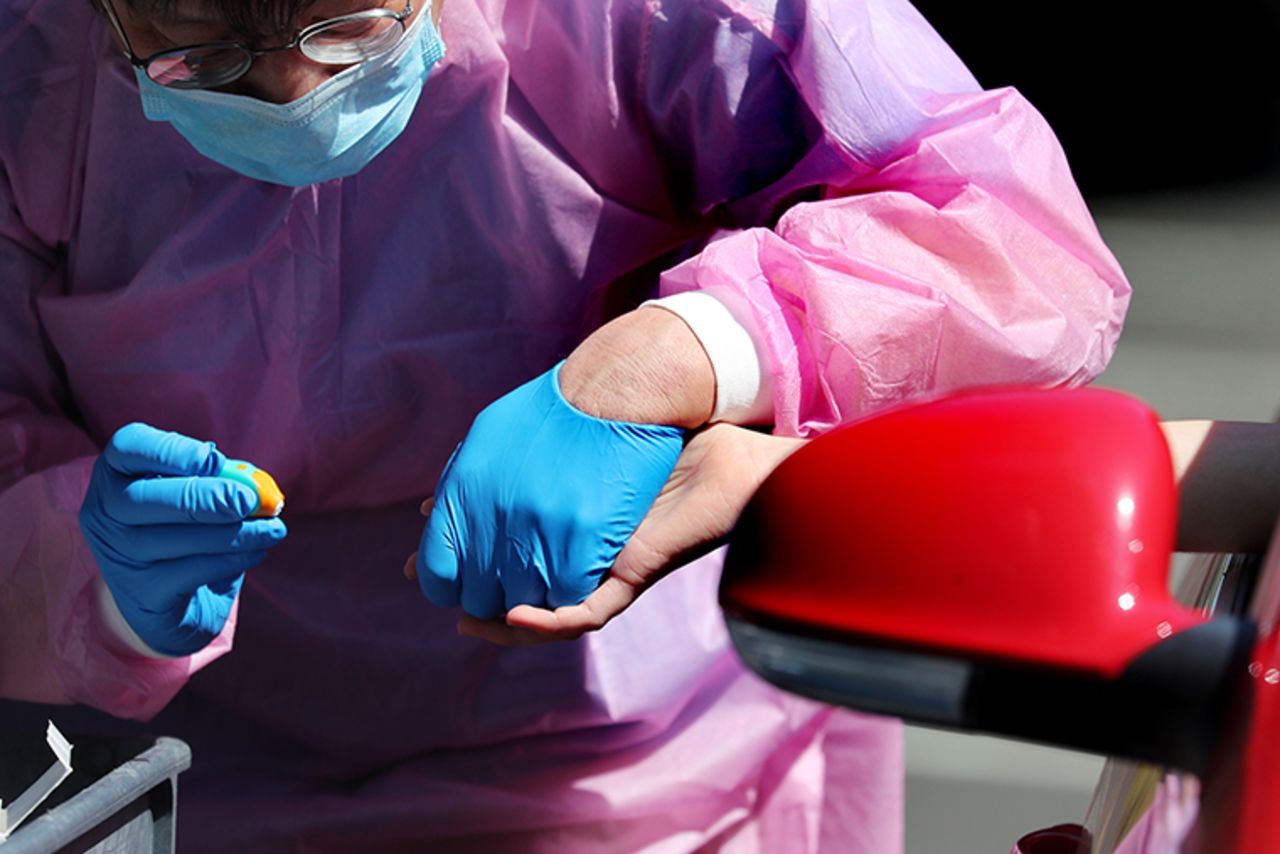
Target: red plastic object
x,y
1059,839
904,514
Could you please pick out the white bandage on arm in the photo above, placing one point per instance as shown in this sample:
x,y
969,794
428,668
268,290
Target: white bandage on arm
x,y
744,388
117,628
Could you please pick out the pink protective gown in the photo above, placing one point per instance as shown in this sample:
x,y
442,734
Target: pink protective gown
x,y
893,229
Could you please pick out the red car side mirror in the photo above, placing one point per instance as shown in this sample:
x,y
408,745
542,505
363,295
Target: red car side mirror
x,y
993,561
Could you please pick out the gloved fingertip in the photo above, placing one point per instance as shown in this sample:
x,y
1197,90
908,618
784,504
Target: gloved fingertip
x,y
437,568
262,533
274,528
133,436
125,444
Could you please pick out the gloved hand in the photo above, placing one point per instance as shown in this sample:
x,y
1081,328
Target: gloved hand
x,y
171,539
537,502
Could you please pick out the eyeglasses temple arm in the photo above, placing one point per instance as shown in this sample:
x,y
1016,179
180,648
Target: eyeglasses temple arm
x,y
115,23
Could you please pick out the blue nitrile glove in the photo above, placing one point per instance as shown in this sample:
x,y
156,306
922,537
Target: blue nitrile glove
x,y
537,501
171,539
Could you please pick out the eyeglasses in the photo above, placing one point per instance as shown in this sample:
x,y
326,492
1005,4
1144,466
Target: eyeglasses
x,y
347,40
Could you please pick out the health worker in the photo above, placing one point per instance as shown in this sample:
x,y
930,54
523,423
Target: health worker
x,y
579,273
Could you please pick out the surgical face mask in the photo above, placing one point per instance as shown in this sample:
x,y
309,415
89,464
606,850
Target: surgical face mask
x,y
333,131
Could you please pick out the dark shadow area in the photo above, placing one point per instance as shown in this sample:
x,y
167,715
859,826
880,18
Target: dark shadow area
x,y
1143,98
1229,498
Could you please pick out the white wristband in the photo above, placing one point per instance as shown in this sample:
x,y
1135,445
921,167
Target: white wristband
x,y
116,625
743,389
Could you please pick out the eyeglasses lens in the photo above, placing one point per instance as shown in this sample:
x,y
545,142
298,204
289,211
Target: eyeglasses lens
x,y
351,41
346,41
198,68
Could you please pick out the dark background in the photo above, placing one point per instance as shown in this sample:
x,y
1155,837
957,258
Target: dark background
x,y
1143,96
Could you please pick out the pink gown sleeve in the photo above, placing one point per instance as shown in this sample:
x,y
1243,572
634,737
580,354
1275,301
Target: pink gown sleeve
x,y
944,245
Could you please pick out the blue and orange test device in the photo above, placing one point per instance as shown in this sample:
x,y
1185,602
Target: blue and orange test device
x,y
270,498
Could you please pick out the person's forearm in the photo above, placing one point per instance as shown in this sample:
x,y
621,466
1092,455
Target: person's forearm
x,y
646,367
1228,475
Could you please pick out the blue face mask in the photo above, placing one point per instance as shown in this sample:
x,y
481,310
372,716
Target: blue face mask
x,y
331,132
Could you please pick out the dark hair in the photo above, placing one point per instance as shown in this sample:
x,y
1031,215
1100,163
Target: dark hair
x,y
258,19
